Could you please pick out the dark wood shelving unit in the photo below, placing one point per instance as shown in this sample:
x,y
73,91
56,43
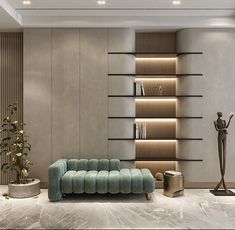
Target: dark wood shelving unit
x,y
156,74
153,71
148,139
155,117
156,96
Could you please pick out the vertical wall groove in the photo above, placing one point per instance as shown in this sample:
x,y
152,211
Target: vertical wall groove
x,y
11,81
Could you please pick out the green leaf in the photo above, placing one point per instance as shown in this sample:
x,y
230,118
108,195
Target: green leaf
x,y
3,130
14,126
6,139
26,147
8,153
4,166
18,154
7,119
25,172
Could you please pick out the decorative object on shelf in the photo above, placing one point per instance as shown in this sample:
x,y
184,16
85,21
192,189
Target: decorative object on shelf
x,y
221,127
15,146
142,89
159,176
173,184
140,130
159,90
139,88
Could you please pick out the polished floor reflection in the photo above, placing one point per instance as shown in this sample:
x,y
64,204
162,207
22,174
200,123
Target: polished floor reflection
x,y
196,209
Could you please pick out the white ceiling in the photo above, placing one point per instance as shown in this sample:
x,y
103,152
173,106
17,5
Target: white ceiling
x,y
138,14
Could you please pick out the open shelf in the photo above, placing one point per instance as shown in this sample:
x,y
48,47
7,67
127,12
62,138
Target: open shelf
x,y
155,117
166,159
156,54
161,159
153,75
156,139
156,96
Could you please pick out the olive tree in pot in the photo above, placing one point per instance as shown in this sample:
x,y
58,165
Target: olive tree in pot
x,y
14,145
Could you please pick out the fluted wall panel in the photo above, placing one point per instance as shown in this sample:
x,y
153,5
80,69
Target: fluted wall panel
x,y
11,81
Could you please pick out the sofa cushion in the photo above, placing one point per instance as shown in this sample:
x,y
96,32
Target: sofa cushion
x,y
102,182
114,164
72,164
83,164
93,165
67,182
79,181
114,182
136,181
104,164
90,182
125,181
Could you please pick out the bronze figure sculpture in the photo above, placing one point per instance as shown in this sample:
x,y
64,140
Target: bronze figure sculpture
x,y
221,126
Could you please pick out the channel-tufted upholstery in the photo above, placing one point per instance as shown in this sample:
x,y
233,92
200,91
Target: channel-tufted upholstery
x,y
96,176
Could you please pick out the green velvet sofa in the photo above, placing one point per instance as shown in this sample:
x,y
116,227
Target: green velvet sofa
x,y
96,176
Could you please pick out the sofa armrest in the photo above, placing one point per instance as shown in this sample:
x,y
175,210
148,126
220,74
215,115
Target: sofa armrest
x,y
149,181
55,172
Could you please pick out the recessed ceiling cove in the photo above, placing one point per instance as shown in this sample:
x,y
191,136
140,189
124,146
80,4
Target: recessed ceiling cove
x,y
138,14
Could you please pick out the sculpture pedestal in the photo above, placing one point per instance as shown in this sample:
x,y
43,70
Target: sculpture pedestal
x,y
222,192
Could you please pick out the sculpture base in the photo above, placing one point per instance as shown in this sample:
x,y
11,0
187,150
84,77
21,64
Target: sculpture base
x,y
222,192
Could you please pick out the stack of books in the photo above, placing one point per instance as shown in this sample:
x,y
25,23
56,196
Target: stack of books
x,y
140,131
139,88
173,173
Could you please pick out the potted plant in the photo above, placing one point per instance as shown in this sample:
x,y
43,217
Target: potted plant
x,y
15,146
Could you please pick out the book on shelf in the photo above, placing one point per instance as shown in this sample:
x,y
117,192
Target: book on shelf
x,y
173,173
142,89
140,131
139,88
137,133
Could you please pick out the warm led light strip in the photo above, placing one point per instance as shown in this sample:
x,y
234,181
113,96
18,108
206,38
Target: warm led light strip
x,y
156,99
156,79
155,119
155,59
142,140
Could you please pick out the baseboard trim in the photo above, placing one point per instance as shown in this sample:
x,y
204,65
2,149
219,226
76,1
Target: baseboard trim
x,y
43,185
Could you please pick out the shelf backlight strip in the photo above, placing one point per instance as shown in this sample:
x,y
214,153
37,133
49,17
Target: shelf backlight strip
x,y
142,140
156,119
156,100
155,59
156,79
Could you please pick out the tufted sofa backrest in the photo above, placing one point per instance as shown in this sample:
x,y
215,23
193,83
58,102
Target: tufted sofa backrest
x,y
93,164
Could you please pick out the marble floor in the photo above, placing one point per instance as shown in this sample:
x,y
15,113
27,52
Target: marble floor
x,y
196,209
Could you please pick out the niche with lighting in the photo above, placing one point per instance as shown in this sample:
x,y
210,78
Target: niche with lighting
x,y
155,60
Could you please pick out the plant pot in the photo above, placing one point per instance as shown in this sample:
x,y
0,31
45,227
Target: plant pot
x,y
24,190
